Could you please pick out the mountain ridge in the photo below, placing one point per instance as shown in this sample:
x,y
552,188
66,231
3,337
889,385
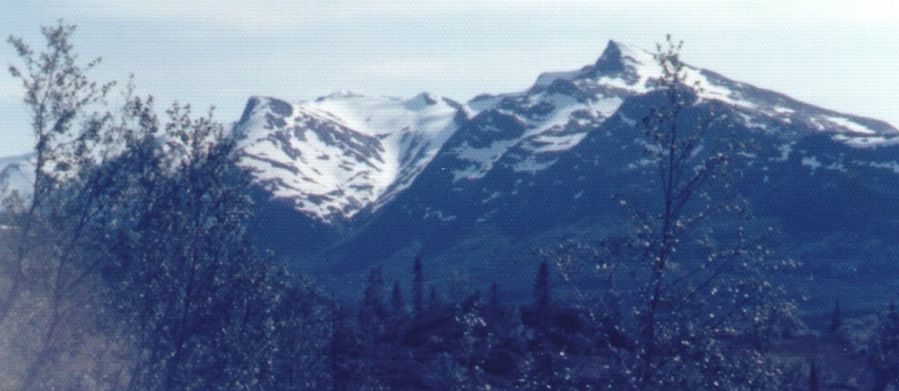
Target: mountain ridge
x,y
550,117
588,95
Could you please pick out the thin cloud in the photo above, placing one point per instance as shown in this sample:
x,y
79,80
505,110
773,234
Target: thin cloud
x,y
273,14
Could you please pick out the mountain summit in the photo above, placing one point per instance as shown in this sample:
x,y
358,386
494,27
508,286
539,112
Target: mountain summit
x,y
611,61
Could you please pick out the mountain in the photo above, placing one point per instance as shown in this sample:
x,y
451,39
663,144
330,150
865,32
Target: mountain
x,y
16,175
342,153
487,182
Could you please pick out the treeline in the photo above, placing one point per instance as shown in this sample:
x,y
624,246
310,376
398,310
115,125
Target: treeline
x,y
483,342
476,343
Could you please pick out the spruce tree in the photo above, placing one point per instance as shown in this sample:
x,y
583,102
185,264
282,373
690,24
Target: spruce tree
x,y
373,309
396,300
542,294
418,288
543,370
340,351
884,353
494,296
813,377
836,319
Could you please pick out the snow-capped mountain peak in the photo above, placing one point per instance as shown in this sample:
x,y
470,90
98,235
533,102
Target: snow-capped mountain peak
x,y
341,153
613,58
556,113
17,176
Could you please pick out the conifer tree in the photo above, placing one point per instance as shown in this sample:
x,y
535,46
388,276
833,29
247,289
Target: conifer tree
x,y
373,309
396,300
542,294
813,377
836,319
417,286
494,296
543,370
340,351
883,355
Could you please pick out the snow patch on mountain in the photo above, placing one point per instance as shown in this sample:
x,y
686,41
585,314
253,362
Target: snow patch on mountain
x,y
811,162
555,122
480,159
849,125
339,154
867,142
892,166
532,164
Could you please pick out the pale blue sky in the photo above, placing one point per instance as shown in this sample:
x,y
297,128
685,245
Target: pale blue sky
x,y
843,55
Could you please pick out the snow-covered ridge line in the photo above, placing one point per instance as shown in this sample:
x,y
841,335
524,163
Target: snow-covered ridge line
x,y
640,71
573,102
339,154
